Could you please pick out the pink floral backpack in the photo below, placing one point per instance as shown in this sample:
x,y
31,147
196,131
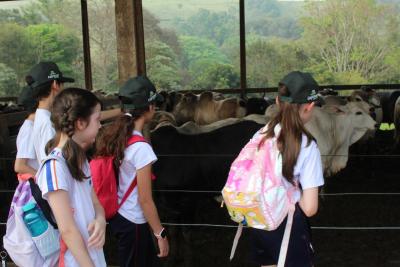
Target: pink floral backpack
x,y
255,194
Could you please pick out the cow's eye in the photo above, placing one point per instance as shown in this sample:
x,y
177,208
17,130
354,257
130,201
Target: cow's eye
x,y
358,113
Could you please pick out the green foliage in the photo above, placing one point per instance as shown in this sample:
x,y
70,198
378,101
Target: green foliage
x,y
8,81
161,64
271,18
353,38
11,16
270,8
269,60
14,49
216,75
53,42
278,27
215,26
339,41
22,47
195,49
349,77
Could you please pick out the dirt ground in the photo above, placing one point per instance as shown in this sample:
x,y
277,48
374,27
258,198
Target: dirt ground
x,y
210,246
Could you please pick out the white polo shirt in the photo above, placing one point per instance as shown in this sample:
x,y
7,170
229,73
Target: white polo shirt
x,y
308,170
25,148
43,131
136,156
54,176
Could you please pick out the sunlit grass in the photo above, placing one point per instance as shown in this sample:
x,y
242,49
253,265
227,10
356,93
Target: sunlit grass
x,y
386,127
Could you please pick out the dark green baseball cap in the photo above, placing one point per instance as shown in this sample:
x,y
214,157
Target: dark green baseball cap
x,y
138,92
26,98
302,88
47,71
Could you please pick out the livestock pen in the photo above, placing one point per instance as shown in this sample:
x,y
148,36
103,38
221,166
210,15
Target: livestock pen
x,y
236,48
356,225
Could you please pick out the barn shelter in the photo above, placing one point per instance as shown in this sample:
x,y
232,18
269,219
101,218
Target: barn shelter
x,y
353,217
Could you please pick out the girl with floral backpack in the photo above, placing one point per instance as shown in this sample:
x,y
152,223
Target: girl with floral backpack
x,y
273,184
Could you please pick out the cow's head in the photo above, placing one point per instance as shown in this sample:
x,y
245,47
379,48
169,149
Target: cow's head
x,y
336,128
361,123
184,110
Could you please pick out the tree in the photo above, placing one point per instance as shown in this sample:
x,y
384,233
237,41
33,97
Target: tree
x,y
214,26
8,81
216,76
268,60
350,36
162,67
52,42
268,8
22,47
195,49
14,48
103,45
11,16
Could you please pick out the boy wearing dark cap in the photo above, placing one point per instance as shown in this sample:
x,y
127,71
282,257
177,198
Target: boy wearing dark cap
x,y
46,81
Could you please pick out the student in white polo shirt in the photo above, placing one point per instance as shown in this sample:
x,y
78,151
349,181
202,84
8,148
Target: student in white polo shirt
x,y
47,81
137,221
301,168
26,164
66,183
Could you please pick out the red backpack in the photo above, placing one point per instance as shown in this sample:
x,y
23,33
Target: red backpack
x,y
105,181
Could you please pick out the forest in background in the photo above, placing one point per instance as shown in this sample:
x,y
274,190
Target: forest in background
x,y
194,44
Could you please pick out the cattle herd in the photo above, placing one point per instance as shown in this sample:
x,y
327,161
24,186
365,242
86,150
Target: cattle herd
x,y
208,128
209,124
196,137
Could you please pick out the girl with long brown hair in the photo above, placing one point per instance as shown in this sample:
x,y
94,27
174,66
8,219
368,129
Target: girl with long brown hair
x,y
301,168
137,218
65,180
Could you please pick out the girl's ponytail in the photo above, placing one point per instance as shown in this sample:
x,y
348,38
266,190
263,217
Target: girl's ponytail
x,y
290,136
112,138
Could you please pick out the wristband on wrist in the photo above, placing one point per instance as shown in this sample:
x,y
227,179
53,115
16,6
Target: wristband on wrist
x,y
162,234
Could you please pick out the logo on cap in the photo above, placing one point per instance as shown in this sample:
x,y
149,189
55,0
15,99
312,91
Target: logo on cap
x,y
152,96
313,96
53,75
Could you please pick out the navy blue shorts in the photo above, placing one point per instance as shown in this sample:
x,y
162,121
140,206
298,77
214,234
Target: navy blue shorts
x,y
265,245
135,243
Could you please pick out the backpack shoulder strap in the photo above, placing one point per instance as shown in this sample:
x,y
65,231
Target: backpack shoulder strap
x,y
132,140
37,194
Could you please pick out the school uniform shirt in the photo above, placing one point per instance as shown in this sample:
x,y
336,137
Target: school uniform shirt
x,y
136,156
43,132
54,176
308,171
25,148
